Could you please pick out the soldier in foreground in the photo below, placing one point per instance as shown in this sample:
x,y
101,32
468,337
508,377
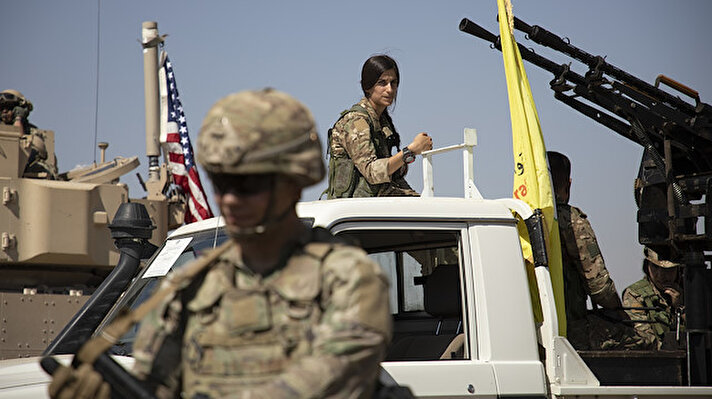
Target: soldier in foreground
x,y
284,311
585,272
658,298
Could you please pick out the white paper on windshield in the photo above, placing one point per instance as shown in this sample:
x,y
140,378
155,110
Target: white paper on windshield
x,y
161,265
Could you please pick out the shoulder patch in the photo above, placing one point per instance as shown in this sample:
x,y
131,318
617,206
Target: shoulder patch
x,y
360,123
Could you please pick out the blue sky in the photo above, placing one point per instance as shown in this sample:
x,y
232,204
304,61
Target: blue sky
x,y
314,50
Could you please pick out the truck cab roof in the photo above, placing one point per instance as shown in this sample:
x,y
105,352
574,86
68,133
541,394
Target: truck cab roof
x,y
332,212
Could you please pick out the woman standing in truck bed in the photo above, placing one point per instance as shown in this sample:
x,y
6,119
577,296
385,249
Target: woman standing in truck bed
x,y
362,139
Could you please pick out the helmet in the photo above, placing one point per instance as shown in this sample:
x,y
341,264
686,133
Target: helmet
x,y
259,132
654,258
8,94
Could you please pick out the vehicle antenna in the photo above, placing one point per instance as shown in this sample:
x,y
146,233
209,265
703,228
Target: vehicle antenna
x,y
96,92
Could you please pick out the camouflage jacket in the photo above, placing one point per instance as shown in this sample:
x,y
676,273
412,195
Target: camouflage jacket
x,y
39,163
359,148
584,271
318,327
653,324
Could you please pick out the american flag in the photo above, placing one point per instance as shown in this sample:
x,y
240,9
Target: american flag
x,y
176,144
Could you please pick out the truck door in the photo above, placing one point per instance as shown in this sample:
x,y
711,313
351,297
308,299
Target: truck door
x,y
433,350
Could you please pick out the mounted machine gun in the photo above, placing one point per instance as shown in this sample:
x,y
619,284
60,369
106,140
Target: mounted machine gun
x,y
673,189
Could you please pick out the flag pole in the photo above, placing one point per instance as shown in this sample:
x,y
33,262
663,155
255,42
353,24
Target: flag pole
x,y
532,183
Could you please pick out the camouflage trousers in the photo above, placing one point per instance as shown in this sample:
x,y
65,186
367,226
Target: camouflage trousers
x,y
397,188
595,332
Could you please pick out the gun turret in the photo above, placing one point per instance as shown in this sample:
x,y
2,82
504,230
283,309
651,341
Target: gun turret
x,y
646,115
674,185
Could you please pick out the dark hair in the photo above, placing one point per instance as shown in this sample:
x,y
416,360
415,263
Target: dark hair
x,y
372,69
560,168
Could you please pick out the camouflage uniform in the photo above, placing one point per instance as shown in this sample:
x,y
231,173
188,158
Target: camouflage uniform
x,y
40,163
359,147
316,328
654,325
585,274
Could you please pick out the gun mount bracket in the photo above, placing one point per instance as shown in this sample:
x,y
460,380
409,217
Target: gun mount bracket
x,y
558,84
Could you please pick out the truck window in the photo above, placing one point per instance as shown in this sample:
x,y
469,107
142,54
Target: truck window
x,y
423,268
174,254
190,248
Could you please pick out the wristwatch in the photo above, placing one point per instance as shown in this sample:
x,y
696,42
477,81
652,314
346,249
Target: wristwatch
x,y
408,155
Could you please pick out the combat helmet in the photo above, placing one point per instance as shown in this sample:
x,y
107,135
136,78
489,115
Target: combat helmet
x,y
16,98
654,258
261,132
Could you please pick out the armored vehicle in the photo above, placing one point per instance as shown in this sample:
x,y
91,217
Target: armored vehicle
x,y
55,246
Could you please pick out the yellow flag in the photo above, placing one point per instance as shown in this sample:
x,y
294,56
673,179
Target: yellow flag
x,y
532,183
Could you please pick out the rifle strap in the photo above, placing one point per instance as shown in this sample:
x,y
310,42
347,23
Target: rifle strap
x,y
110,335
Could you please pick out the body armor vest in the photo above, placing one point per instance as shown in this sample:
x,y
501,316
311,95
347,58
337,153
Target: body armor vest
x,y
345,181
660,319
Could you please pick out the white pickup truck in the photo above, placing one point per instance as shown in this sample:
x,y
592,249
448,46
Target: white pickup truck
x,y
462,313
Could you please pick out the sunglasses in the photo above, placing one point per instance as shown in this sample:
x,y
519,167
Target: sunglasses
x,y
242,184
8,97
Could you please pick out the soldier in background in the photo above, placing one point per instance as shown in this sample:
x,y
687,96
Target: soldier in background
x,y
655,302
14,110
285,311
363,138
585,273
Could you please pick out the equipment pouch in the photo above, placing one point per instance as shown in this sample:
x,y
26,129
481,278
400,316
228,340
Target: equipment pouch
x,y
239,341
343,178
240,313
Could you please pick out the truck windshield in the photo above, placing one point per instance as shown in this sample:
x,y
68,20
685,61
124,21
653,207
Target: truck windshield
x,y
174,254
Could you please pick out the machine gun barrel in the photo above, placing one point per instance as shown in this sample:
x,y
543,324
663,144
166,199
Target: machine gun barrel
x,y
472,28
549,39
596,91
562,74
558,70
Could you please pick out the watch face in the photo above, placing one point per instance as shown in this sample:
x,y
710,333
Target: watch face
x,y
408,156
